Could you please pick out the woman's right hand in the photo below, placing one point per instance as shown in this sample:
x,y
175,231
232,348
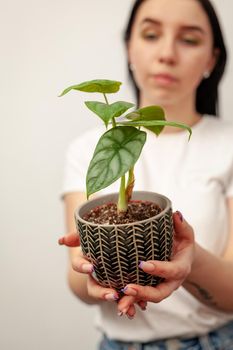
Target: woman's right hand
x,y
82,265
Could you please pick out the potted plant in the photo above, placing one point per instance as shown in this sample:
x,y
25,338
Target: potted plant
x,y
119,230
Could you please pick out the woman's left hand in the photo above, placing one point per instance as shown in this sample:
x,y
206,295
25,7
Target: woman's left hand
x,y
174,272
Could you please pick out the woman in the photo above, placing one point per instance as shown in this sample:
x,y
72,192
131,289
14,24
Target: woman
x,y
176,57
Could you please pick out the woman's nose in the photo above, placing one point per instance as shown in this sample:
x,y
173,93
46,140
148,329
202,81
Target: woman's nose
x,y
167,52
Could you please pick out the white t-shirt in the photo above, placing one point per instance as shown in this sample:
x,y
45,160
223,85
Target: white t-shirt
x,y
198,177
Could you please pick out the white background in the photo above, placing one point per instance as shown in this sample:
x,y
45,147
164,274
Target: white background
x,y
45,47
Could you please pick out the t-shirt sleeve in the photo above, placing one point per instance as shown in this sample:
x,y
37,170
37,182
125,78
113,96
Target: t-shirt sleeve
x,y
229,187
228,151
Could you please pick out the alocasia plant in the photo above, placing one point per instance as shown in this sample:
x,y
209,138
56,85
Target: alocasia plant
x,y
119,148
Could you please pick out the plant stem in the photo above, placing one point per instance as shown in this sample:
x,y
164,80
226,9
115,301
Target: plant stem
x,y
105,97
131,176
130,184
113,119
122,204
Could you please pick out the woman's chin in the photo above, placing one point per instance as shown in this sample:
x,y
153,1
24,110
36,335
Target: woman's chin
x,y
163,100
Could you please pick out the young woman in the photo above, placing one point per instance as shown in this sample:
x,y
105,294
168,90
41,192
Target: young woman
x,y
176,57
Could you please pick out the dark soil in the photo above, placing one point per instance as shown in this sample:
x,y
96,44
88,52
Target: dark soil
x,y
107,213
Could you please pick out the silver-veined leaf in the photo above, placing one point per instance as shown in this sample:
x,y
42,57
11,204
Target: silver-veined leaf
x,y
116,152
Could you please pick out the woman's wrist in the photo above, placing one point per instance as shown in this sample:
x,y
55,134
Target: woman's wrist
x,y
197,264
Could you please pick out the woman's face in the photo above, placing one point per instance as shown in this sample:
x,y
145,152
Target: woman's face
x,y
170,48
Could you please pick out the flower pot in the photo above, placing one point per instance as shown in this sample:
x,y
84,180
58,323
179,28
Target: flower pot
x,y
116,250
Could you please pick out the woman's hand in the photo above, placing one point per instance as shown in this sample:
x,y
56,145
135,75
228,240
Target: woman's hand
x,y
82,265
174,272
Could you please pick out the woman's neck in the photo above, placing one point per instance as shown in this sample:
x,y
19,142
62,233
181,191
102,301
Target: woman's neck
x,y
183,113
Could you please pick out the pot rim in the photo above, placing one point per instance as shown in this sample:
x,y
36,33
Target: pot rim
x,y
167,207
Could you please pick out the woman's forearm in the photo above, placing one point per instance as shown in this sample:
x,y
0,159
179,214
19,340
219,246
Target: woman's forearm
x,y
211,280
78,281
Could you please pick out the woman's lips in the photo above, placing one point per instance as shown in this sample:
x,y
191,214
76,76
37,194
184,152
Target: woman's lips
x,y
164,79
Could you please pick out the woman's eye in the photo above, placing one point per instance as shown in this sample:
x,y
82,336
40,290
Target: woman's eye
x,y
190,41
150,36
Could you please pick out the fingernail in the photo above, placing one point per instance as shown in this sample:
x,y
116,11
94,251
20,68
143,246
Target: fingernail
x,y
87,268
130,317
180,216
124,289
143,308
140,264
61,241
129,291
111,296
148,266
124,311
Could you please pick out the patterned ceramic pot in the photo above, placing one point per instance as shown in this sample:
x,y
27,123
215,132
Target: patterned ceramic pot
x,y
116,250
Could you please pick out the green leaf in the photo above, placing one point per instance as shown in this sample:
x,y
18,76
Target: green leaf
x,y
149,113
107,112
149,123
116,152
103,86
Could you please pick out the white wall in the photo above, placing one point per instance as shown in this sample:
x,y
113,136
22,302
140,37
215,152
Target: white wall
x,y
45,46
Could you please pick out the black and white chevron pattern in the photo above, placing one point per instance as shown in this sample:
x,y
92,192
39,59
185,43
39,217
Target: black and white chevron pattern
x,y
116,251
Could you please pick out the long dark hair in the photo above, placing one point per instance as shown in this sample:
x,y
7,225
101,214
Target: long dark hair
x,y
207,99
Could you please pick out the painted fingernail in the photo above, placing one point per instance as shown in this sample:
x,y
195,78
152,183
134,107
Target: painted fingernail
x,y
130,317
124,311
61,241
143,308
140,264
180,215
130,291
87,268
143,305
111,296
